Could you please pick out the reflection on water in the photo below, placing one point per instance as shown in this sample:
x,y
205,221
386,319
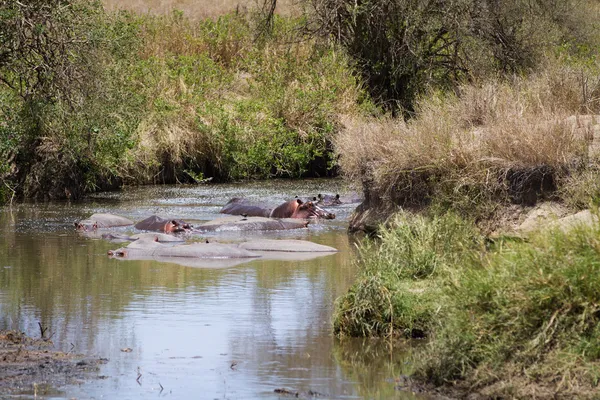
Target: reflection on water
x,y
239,332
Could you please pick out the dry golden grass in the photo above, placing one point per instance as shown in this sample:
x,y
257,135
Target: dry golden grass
x,y
471,139
193,9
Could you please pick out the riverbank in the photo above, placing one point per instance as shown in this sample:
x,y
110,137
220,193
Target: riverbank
x,y
474,205
31,366
509,317
134,99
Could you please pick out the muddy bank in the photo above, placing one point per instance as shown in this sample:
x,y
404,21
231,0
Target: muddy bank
x,y
32,367
529,197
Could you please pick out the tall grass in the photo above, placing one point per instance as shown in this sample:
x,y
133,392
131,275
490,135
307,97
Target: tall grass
x,y
196,9
478,146
230,108
397,291
510,318
526,311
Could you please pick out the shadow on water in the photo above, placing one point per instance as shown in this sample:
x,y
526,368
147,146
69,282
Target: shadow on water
x,y
238,332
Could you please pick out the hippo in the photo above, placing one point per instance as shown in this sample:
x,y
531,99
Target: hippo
x,y
96,221
146,249
241,206
286,245
217,255
328,199
237,224
158,224
158,237
290,209
298,209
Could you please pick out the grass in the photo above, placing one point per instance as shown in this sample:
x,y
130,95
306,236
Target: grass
x,y
249,111
193,8
396,292
499,140
509,318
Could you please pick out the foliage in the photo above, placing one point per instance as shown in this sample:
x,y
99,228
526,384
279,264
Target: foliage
x,y
499,141
508,317
91,100
404,47
397,290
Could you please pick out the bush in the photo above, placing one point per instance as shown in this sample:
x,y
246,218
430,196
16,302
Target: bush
x,y
496,142
404,47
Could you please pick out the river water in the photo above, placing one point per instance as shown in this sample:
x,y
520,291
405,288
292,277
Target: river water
x,y
202,333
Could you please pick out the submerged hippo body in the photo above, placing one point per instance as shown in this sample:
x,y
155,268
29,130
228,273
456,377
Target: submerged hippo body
x,y
239,224
157,237
158,224
286,245
240,206
147,249
217,255
96,221
290,209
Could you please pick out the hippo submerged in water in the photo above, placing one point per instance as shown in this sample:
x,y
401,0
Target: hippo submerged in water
x,y
328,199
96,221
158,224
290,209
240,224
218,255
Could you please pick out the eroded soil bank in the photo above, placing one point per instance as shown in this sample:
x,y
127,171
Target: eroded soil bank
x,y
32,366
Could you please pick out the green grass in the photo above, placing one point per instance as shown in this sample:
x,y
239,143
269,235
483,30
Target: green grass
x,y
507,318
399,290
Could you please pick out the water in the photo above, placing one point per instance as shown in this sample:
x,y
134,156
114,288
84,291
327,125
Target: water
x,y
232,333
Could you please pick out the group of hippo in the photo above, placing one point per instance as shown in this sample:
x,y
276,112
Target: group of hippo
x,y
167,245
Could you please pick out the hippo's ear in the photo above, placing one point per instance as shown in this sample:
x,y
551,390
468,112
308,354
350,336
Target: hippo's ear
x,y
298,201
77,225
314,199
337,196
320,196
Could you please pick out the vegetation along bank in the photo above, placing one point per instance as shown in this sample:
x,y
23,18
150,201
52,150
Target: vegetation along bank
x,y
474,199
92,100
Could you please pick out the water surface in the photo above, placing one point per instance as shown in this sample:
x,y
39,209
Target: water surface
x,y
232,333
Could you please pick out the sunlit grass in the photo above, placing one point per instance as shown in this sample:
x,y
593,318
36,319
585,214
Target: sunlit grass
x,y
510,317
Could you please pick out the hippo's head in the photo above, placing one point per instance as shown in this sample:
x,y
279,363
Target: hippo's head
x,y
86,226
176,226
328,199
311,210
122,252
299,209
